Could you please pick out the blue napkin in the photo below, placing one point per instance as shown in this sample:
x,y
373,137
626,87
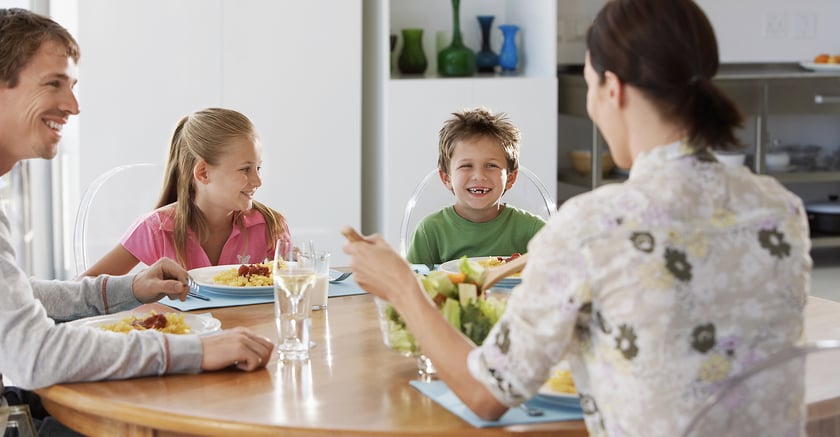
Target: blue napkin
x,y
443,396
347,287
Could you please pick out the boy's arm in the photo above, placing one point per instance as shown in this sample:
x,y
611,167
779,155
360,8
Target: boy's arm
x,y
420,251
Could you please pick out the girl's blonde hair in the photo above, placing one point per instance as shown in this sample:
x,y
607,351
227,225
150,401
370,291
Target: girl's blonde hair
x,y
205,135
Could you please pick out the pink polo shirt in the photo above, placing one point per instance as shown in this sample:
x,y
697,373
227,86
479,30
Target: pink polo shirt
x,y
151,238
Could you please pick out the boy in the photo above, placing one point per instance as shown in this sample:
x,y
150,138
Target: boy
x,y
478,162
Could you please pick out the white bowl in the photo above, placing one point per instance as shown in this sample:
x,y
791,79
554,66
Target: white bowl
x,y
777,160
733,159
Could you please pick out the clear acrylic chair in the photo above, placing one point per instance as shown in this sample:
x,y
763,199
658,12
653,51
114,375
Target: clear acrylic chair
x,y
16,421
109,205
430,195
729,412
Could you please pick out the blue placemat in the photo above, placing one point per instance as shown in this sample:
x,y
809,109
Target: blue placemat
x,y
347,287
443,396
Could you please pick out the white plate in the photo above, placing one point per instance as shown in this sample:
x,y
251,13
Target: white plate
x,y
813,66
555,398
198,324
549,396
452,267
203,276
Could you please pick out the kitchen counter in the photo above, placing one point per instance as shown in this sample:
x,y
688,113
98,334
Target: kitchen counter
x,y
746,71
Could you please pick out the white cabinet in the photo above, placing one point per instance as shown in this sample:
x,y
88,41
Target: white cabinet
x,y
411,110
293,67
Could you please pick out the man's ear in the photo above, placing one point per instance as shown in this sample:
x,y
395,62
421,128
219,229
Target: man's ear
x,y
614,89
511,179
447,181
200,173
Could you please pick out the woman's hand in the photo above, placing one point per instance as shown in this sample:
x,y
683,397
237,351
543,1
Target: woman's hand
x,y
238,347
378,268
163,278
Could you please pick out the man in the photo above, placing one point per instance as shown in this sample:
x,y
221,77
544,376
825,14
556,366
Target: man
x,y
38,71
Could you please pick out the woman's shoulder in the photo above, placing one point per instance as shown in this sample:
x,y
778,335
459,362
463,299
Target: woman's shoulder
x,y
600,200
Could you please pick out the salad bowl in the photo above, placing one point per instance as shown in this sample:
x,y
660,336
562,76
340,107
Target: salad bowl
x,y
459,301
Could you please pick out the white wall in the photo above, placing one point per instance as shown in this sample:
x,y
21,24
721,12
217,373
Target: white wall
x,y
747,30
287,65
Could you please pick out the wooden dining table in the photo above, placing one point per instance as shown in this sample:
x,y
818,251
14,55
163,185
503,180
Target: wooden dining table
x,y
352,385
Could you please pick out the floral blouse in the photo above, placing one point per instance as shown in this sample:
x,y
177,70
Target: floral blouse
x,y
655,291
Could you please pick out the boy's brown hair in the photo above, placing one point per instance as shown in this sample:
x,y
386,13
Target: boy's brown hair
x,y
470,123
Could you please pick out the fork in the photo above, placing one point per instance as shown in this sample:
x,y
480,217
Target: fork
x,y
194,291
531,411
341,277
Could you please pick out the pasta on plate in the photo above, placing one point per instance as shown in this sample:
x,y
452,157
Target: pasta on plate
x,y
561,382
167,323
246,275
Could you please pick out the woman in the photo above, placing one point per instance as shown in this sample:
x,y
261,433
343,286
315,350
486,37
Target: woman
x,y
654,290
206,214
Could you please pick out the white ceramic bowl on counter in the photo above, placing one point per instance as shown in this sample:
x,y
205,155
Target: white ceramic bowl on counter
x,y
730,158
777,160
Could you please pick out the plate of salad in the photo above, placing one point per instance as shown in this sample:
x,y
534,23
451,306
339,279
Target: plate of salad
x,y
457,298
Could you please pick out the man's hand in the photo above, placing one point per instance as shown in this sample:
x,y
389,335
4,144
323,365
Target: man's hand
x,y
163,278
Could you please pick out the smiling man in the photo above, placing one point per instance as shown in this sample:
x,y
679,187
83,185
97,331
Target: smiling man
x,y
38,71
37,77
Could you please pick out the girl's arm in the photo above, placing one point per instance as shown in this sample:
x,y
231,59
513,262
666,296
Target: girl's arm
x,y
118,261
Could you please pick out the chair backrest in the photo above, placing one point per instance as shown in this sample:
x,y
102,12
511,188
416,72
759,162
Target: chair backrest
x,y
528,193
109,205
729,411
16,420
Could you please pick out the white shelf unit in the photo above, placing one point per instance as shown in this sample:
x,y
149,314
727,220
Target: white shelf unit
x,y
401,146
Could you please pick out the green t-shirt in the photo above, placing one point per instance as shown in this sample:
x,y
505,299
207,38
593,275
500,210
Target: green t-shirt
x,y
444,236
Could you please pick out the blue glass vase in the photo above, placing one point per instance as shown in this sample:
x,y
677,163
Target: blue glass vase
x,y
486,60
508,58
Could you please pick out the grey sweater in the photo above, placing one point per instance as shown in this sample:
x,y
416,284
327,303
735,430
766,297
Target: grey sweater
x,y
36,352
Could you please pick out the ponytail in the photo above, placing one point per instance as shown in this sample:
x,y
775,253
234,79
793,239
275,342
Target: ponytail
x,y
169,191
711,117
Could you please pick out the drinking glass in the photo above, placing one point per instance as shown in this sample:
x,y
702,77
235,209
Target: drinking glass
x,y
320,292
294,277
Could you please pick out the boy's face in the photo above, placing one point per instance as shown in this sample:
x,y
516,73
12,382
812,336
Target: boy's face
x,y
478,176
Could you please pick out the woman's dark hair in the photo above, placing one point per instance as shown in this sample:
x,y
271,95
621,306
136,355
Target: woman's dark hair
x,y
667,49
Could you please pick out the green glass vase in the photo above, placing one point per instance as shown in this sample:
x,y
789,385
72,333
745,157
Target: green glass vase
x,y
457,60
412,59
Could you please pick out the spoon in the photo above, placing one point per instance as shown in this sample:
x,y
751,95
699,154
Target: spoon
x,y
488,279
350,234
495,274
